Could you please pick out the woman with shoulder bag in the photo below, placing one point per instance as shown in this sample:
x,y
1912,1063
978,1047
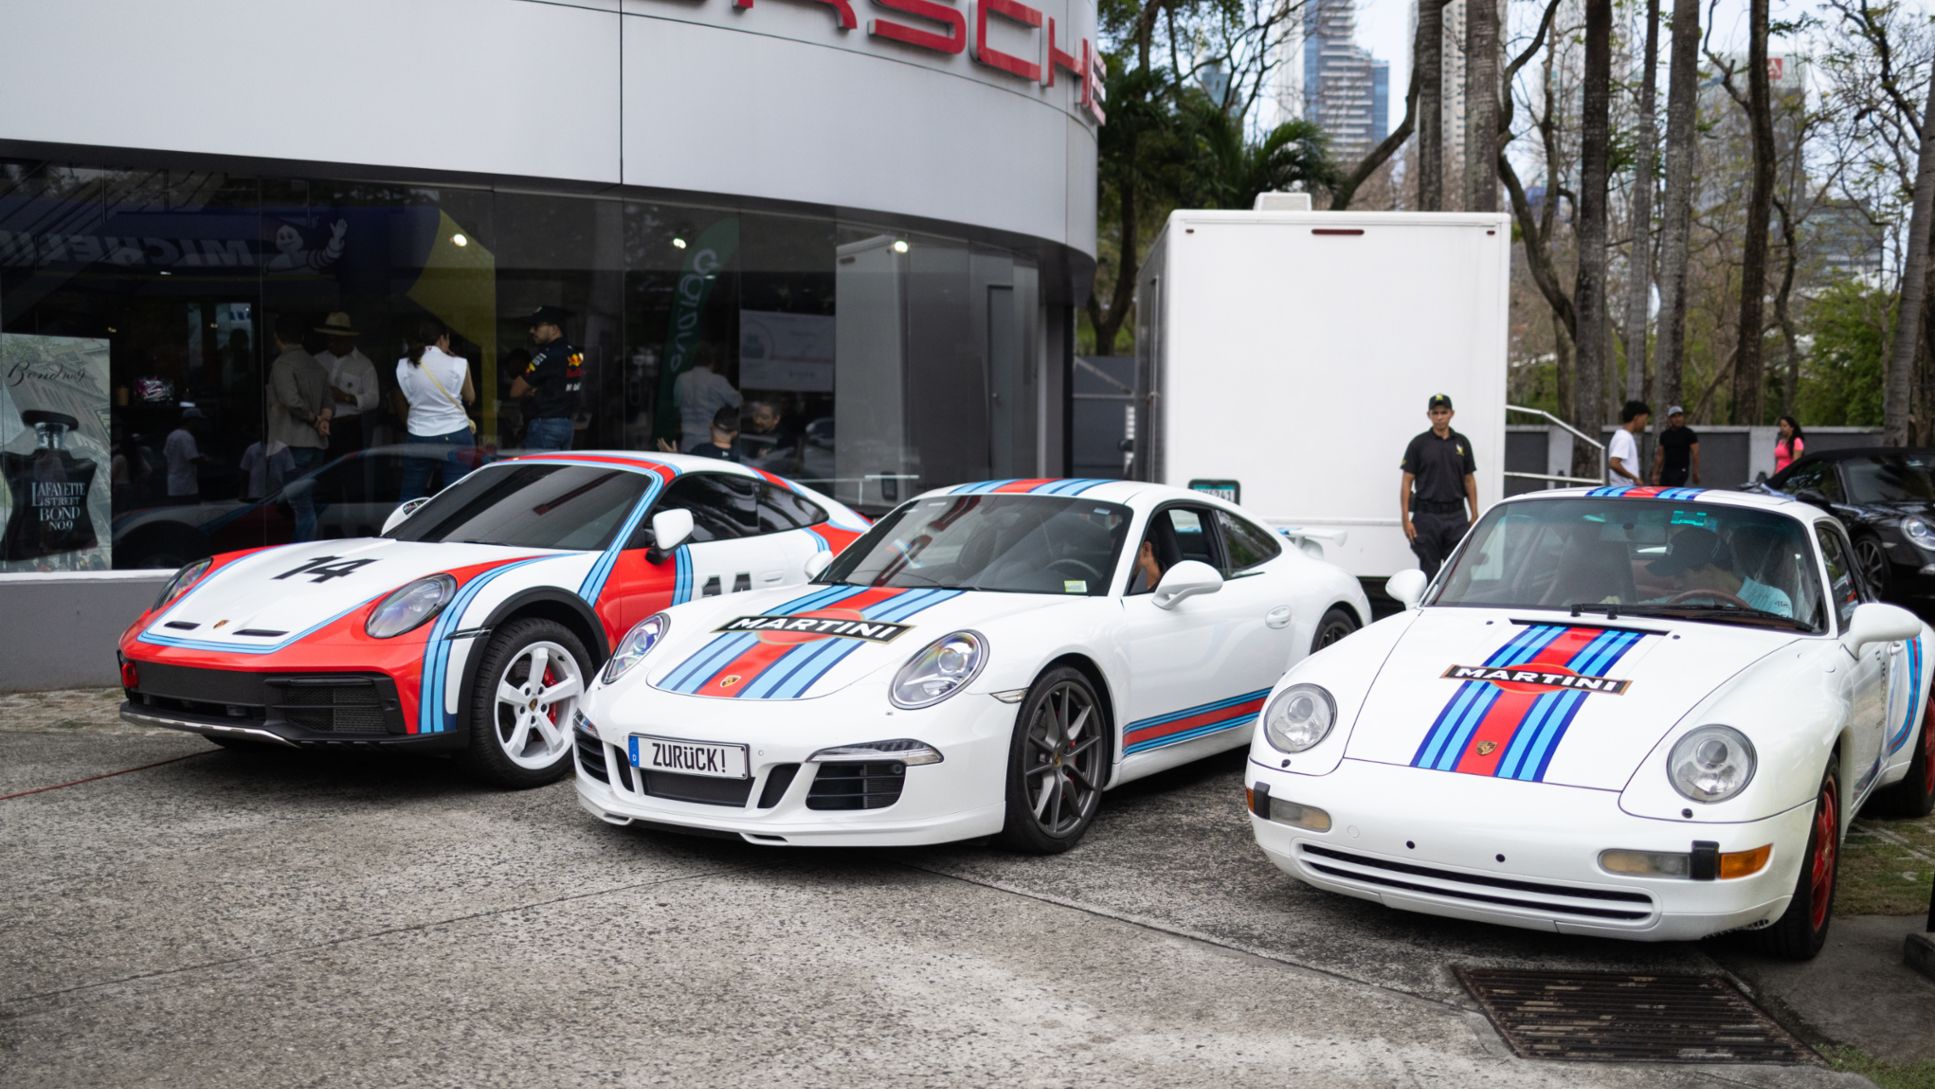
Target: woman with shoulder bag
x,y
431,378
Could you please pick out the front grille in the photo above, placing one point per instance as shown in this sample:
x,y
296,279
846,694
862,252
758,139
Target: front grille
x,y
591,757
338,708
302,706
856,786
777,782
702,789
1567,901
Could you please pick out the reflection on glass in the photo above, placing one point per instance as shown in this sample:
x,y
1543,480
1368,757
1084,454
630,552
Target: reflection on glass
x,y
1028,544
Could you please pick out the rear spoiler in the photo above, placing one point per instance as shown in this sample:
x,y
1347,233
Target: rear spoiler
x,y
1311,541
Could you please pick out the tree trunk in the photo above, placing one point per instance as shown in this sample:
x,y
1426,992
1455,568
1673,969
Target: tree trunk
x,y
1897,390
1784,312
1639,271
1676,224
1749,372
1482,57
1589,290
1429,57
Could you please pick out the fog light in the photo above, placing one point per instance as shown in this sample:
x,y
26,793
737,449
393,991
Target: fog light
x,y
1645,863
1283,811
1745,863
130,675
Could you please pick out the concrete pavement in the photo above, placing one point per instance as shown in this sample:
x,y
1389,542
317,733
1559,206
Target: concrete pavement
x,y
287,919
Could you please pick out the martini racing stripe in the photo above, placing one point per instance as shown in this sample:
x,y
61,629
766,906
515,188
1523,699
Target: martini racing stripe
x,y
1533,746
805,670
755,656
681,575
1473,698
1635,491
1914,697
1191,723
432,717
1074,486
594,583
724,647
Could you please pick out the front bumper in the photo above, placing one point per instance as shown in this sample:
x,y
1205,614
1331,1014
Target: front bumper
x,y
1517,854
297,709
786,800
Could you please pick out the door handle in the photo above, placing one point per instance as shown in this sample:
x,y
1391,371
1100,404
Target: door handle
x,y
1278,617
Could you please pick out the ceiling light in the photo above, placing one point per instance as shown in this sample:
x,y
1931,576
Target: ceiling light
x,y
678,243
459,240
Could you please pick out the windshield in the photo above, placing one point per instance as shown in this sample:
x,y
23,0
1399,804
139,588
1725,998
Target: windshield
x,y
1639,557
524,505
1899,478
1030,544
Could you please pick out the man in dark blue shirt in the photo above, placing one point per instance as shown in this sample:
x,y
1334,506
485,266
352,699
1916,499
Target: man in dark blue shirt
x,y
1437,488
554,380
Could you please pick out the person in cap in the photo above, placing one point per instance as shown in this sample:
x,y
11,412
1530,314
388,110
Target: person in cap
x,y
1622,454
724,441
1438,491
353,389
1676,461
554,381
1702,566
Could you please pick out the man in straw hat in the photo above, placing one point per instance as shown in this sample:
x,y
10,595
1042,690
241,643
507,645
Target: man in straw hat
x,y
352,384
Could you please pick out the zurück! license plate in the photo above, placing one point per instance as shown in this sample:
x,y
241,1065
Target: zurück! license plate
x,y
688,757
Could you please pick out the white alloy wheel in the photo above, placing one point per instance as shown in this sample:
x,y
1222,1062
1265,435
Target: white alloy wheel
x,y
537,693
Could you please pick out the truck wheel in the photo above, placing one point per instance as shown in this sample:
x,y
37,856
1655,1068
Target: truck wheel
x,y
1802,929
519,721
1914,796
1057,763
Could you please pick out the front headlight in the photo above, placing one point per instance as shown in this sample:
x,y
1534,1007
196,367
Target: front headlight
x,y
1299,717
410,606
1919,532
179,584
941,669
1711,764
636,644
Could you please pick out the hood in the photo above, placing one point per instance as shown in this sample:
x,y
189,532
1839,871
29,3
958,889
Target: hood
x,y
272,597
1507,694
810,641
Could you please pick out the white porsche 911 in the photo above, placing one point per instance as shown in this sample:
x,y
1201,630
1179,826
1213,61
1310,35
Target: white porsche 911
x,y
1634,712
986,660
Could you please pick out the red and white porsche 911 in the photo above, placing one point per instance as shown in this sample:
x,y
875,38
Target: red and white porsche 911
x,y
474,621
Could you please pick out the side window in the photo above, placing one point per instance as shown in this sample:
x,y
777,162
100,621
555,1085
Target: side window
x,y
1805,478
1175,534
1246,544
1830,484
723,507
781,510
1193,534
1843,587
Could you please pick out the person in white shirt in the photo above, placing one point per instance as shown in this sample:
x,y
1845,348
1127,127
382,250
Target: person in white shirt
x,y
184,458
432,380
265,467
700,393
1622,454
353,390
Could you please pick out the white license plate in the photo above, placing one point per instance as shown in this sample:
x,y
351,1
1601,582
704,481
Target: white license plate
x,y
688,757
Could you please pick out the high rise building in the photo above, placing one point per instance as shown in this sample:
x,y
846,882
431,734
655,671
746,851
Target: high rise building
x,y
1343,90
1380,100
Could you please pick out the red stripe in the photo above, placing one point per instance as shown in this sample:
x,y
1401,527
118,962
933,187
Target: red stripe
x,y
1183,725
1023,485
1647,492
665,472
1508,712
758,658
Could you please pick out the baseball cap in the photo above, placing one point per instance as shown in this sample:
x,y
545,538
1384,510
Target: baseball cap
x,y
549,315
1676,410
1690,548
1438,400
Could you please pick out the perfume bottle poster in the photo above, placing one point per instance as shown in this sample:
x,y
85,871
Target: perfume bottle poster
x,y
54,454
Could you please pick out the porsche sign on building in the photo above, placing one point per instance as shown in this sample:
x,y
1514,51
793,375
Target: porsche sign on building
x,y
864,224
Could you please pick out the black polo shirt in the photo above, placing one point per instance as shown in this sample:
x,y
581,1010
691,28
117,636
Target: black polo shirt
x,y
557,374
1439,467
1676,446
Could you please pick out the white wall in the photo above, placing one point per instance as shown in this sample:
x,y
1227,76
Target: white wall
x,y
769,101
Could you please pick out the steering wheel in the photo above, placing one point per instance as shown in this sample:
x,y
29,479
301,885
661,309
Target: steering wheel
x,y
1085,569
1718,595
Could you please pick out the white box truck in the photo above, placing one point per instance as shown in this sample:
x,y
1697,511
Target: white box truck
x,y
1284,359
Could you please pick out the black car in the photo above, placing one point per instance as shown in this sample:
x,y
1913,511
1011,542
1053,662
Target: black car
x,y
1885,496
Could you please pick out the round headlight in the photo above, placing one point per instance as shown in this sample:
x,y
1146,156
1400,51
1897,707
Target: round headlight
x,y
941,669
411,605
1299,717
1919,532
636,644
182,580
1711,764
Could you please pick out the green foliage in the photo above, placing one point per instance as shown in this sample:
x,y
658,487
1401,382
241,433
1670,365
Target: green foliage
x,y
1848,326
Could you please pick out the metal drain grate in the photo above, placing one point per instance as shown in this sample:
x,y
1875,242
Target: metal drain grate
x,y
1628,1017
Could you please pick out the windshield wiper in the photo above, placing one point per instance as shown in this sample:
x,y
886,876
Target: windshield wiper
x,y
1610,608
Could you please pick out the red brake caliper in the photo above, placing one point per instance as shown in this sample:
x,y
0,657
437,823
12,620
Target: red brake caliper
x,y
1826,834
550,679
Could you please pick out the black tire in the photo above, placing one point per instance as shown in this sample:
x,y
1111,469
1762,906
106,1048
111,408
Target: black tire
x,y
486,754
1914,796
1803,928
1874,563
1058,762
1335,624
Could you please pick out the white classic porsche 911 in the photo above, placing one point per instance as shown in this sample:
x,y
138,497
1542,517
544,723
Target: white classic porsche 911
x,y
1642,713
986,660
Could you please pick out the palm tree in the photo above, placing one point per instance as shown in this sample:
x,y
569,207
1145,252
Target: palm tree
x,y
1223,169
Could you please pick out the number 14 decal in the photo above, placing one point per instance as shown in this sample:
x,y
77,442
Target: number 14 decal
x,y
324,568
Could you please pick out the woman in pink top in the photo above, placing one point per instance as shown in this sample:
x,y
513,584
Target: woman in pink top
x,y
1790,445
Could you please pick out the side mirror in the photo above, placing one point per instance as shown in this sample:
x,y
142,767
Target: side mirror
x,y
816,563
670,528
401,514
1407,587
1185,580
1878,623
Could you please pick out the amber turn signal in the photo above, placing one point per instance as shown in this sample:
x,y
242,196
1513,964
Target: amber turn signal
x,y
1745,863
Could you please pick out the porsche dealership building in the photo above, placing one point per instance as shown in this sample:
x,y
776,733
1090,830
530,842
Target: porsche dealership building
x,y
868,222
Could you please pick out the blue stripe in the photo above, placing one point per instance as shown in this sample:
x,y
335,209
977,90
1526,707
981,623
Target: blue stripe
x,y
806,674
722,649
676,680
436,654
1189,735
1172,716
1914,696
1537,723
681,575
1453,713
594,583
1594,659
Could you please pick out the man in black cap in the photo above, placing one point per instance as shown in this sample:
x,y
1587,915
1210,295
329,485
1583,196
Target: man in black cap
x,y
554,380
724,443
1676,460
1437,488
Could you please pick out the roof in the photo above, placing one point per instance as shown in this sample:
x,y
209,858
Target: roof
x,y
1107,491
639,461
1723,496
1865,451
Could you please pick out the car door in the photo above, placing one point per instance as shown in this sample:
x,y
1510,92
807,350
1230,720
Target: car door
x,y
1868,683
1197,672
721,556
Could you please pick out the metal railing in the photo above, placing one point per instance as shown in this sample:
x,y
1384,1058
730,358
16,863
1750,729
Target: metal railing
x,y
1576,433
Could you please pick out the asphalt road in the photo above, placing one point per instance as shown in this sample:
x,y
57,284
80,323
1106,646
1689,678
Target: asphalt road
x,y
292,920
